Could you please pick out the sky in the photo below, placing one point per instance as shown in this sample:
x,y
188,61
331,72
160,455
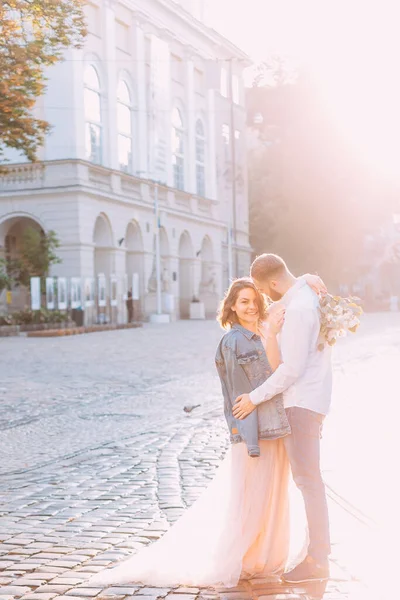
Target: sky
x,y
259,26
350,47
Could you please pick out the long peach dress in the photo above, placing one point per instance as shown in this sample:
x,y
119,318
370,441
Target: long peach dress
x,y
237,529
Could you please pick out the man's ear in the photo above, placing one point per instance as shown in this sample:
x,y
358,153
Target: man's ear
x,y
273,284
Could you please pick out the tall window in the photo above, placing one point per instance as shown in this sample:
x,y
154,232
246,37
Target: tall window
x,y
124,123
178,149
93,126
200,159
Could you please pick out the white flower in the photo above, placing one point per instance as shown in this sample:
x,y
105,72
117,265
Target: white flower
x,y
338,316
354,321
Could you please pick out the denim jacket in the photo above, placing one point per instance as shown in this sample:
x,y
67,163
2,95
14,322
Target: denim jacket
x,y
242,366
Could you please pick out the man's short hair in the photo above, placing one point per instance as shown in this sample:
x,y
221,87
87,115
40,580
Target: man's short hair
x,y
268,266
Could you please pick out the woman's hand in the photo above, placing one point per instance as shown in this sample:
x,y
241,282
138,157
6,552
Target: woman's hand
x,y
276,318
316,284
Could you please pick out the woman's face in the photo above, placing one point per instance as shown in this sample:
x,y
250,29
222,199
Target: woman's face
x,y
246,307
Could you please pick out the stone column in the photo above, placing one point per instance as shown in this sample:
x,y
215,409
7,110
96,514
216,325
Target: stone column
x,y
119,271
110,147
141,119
196,278
211,159
148,297
190,158
174,268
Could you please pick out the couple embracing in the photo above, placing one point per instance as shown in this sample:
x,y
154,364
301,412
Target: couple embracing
x,y
277,386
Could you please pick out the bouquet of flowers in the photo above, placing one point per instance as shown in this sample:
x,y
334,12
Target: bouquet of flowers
x,y
338,316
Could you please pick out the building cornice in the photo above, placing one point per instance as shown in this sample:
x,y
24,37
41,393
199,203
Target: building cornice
x,y
24,180
221,47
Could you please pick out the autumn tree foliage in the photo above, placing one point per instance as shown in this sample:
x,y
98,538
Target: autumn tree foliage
x,y
33,36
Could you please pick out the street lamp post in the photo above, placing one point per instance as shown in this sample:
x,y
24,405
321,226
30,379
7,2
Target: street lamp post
x,y
157,249
159,317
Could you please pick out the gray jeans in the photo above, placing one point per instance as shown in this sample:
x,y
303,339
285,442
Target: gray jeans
x,y
303,449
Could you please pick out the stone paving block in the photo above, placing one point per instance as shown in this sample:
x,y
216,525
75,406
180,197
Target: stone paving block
x,y
120,591
152,597
89,569
68,579
32,581
23,567
181,596
283,597
63,597
51,569
20,541
15,591
87,552
243,595
150,591
38,596
85,592
50,588
38,575
68,564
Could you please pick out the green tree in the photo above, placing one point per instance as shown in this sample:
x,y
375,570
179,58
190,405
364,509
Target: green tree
x,y
5,281
35,257
33,36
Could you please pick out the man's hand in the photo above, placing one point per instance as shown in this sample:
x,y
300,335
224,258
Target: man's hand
x,y
243,407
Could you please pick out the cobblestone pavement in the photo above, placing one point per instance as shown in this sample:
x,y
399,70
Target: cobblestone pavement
x,y
99,458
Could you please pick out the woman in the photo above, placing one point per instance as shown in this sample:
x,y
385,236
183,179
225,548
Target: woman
x,y
238,528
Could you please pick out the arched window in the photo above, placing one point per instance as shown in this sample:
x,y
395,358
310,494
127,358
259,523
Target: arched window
x,y
200,159
178,149
124,124
93,125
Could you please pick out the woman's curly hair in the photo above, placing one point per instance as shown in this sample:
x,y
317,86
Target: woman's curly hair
x,y
226,317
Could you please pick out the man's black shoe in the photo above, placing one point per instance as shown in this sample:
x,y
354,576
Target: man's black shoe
x,y
308,570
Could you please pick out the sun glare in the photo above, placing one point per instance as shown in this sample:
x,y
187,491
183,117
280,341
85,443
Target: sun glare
x,y
351,50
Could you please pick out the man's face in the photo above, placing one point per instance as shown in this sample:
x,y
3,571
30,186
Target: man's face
x,y
268,287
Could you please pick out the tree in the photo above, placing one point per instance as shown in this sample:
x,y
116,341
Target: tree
x,y
312,199
5,281
33,36
35,257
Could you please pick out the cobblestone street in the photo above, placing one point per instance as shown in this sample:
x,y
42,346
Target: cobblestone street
x,y
99,457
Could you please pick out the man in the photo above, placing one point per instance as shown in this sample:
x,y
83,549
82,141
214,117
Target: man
x,y
305,378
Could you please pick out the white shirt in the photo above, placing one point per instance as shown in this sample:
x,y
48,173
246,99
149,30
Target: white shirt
x,y
305,375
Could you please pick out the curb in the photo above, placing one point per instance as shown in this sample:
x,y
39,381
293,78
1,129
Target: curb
x,y
81,330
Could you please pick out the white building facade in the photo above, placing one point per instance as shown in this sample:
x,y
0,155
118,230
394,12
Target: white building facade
x,y
155,97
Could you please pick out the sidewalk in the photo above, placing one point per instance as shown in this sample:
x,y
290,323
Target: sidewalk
x,y
121,467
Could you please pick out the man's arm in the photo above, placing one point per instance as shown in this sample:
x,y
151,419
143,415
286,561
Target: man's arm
x,y
298,334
